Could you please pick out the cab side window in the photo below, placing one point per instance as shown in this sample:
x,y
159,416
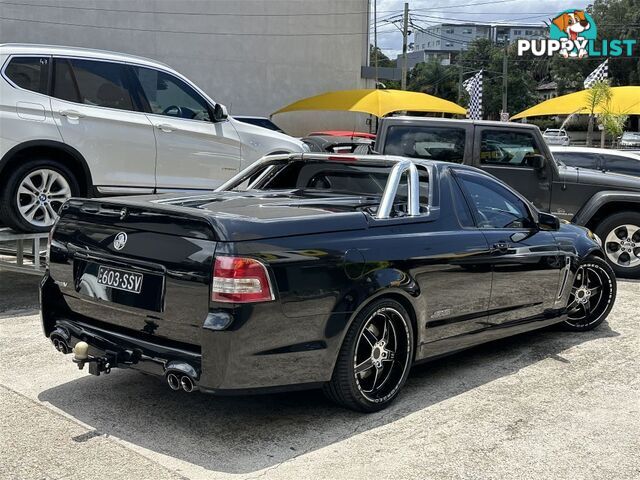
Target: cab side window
x,y
30,73
508,149
493,205
170,96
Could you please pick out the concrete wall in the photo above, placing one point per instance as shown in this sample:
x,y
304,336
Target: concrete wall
x,y
254,56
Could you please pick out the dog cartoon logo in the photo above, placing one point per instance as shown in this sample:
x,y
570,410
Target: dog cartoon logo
x,y
574,28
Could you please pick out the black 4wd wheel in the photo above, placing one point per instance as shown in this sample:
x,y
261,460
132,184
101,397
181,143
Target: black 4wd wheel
x,y
592,295
620,235
375,358
33,193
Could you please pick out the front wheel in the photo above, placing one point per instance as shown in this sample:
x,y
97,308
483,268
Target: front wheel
x,y
374,361
592,295
620,234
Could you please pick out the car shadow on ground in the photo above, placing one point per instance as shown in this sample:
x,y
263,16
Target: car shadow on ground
x,y
246,434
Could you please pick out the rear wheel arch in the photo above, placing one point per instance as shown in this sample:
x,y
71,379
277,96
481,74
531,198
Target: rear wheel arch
x,y
60,152
399,296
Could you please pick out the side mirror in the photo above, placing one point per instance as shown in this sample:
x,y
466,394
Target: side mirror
x,y
537,162
220,113
546,221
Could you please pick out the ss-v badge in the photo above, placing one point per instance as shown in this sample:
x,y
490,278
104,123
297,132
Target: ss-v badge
x,y
120,241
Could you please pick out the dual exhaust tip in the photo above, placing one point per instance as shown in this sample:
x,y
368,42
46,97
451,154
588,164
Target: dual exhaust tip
x,y
60,344
177,381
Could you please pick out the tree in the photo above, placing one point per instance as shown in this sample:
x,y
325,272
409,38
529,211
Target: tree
x,y
383,60
612,124
599,95
523,75
619,19
435,79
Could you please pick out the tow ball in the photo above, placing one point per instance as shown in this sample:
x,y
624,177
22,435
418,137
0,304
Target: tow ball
x,y
97,365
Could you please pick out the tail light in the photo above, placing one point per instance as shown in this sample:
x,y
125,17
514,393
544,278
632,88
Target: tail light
x,y
240,280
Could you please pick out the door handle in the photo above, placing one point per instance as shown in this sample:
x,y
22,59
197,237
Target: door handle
x,y
71,114
500,247
165,127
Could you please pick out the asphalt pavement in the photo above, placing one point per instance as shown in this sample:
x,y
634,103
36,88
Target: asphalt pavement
x,y
544,405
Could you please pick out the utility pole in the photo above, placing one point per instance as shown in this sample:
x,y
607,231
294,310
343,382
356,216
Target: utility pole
x,y
375,40
460,77
405,34
505,64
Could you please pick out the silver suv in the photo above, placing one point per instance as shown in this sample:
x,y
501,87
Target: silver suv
x,y
85,122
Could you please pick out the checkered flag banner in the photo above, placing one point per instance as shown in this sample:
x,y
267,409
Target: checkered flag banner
x,y
600,73
473,86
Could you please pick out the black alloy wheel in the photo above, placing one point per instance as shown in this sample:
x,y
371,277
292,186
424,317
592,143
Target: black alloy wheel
x,y
375,358
592,295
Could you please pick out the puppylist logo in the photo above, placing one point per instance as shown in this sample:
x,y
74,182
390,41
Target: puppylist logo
x,y
574,34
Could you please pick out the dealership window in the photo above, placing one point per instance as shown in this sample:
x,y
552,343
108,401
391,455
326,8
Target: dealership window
x,y
449,30
509,149
170,96
517,32
467,31
30,73
433,143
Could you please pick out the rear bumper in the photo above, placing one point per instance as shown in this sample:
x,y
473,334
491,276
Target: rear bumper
x,y
224,362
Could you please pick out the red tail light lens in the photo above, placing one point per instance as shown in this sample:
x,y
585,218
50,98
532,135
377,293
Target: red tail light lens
x,y
240,280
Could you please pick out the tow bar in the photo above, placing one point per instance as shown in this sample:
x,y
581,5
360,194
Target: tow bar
x,y
97,365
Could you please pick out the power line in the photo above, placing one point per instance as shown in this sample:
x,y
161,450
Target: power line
x,y
226,34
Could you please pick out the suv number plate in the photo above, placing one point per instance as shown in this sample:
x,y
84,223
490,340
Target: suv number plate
x,y
120,279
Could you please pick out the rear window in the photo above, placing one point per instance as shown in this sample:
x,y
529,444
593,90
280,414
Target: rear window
x,y
30,73
337,178
432,143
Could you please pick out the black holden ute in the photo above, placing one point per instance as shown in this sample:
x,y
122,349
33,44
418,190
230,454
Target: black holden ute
x,y
314,270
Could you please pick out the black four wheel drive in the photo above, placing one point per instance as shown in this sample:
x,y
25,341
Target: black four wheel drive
x,y
606,203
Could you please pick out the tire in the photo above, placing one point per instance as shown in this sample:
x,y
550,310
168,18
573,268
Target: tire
x,y
622,232
593,294
28,186
384,329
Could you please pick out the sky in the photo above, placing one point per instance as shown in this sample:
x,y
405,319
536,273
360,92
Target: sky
x,y
429,12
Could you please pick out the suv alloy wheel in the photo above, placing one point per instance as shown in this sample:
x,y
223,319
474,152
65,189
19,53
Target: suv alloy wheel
x,y
620,235
34,193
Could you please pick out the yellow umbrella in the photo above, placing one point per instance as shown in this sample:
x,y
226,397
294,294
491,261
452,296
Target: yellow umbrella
x,y
374,102
624,100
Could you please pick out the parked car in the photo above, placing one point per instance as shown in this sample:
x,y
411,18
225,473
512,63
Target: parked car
x,y
556,136
263,122
630,140
607,203
315,270
86,122
615,161
330,144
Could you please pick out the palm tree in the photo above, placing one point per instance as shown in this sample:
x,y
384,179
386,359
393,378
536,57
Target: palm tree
x,y
599,95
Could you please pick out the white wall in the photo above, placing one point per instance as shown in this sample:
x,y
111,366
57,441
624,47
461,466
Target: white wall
x,y
254,56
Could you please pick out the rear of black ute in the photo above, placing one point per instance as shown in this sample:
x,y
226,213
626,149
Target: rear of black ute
x,y
134,284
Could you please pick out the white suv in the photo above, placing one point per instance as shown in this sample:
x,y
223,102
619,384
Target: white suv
x,y
85,122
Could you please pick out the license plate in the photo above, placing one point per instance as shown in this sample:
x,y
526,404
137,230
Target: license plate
x,y
120,279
